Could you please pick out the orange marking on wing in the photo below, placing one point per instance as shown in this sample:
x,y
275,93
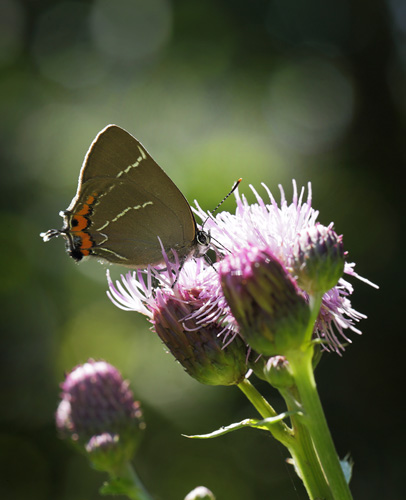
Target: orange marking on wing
x,y
86,241
87,205
85,210
81,223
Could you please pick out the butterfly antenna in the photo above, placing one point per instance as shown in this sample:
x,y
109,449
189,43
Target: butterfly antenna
x,y
223,200
225,197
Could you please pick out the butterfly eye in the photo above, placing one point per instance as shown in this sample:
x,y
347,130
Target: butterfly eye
x,y
203,238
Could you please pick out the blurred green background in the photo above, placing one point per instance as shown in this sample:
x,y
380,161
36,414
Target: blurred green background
x,y
215,90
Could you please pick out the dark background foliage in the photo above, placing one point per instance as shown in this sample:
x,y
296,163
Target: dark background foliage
x,y
216,90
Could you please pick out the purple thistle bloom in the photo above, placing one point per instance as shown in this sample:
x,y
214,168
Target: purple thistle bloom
x,y
269,226
97,412
175,312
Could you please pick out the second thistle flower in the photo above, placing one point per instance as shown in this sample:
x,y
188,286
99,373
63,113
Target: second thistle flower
x,y
98,414
200,349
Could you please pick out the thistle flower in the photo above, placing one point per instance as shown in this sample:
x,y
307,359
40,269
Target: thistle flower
x,y
277,228
174,312
97,412
255,229
271,311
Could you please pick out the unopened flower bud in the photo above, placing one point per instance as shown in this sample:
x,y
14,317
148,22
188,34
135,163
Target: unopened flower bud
x,y
270,309
200,349
200,493
319,259
105,452
278,373
98,414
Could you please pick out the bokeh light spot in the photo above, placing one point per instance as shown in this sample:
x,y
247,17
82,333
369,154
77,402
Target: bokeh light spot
x,y
310,105
130,30
62,47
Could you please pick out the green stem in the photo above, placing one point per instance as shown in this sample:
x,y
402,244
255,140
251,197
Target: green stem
x,y
308,468
130,484
306,460
279,430
299,445
315,421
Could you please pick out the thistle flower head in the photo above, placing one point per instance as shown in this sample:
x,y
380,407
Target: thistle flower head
x,y
175,312
261,244
270,309
97,412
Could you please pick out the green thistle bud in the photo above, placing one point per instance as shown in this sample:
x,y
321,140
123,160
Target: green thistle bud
x,y
278,373
106,452
319,259
271,311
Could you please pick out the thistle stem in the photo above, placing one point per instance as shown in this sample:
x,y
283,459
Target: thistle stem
x,y
306,461
299,445
279,430
128,483
308,465
315,422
